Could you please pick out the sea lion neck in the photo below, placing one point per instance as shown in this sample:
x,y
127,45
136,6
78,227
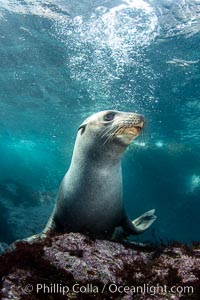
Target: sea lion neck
x,y
96,152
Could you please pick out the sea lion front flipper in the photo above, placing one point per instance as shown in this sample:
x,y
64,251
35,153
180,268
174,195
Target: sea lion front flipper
x,y
140,224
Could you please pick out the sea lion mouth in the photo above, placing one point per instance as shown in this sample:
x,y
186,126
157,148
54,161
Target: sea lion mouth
x,y
126,134
137,128
133,130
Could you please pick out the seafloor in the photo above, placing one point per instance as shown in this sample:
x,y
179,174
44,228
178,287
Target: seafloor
x,y
88,268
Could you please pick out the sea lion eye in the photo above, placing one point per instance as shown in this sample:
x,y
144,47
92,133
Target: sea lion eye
x,y
109,117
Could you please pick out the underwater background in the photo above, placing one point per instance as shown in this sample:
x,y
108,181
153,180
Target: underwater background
x,y
62,61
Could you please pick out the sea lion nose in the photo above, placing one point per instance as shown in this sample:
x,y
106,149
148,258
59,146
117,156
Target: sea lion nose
x,y
139,119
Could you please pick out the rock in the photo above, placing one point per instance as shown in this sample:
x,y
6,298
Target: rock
x,y
74,266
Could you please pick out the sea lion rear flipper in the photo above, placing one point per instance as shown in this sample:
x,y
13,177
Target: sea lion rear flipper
x,y
42,235
35,237
140,224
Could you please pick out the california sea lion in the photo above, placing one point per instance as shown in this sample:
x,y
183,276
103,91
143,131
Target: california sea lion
x,y
90,195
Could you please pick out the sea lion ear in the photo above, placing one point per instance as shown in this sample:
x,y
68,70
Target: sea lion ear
x,y
82,127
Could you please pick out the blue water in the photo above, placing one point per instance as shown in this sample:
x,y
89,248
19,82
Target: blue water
x,y
60,62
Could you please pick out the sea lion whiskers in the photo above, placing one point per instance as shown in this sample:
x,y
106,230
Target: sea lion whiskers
x,y
110,130
146,134
107,130
113,133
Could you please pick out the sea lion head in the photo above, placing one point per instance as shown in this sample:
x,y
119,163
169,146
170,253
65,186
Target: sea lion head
x,y
113,127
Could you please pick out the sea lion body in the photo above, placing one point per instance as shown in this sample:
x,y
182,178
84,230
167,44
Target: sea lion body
x,y
96,205
90,197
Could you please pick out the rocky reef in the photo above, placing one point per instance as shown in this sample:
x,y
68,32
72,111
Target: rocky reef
x,y
74,266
